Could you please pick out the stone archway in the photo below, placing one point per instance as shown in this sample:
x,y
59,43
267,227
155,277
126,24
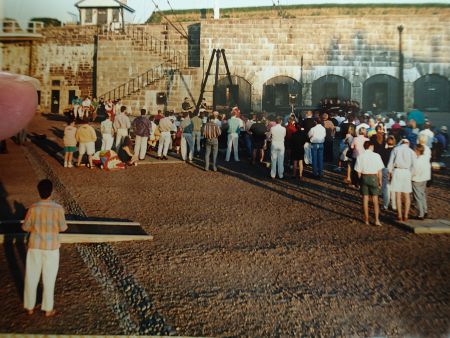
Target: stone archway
x,y
277,91
239,93
432,93
331,86
380,93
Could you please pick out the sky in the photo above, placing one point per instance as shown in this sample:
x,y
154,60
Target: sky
x,y
23,10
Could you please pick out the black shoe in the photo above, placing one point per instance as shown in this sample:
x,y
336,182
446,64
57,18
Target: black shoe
x,y
165,158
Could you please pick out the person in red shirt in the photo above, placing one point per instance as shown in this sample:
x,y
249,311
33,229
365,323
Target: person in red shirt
x,y
290,130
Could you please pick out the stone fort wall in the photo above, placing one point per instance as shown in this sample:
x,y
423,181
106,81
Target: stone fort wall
x,y
351,45
355,48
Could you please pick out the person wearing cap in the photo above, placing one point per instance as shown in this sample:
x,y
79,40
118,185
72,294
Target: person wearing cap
x,y
401,165
369,166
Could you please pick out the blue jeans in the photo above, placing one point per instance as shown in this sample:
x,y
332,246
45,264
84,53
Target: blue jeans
x,y
211,144
187,142
317,158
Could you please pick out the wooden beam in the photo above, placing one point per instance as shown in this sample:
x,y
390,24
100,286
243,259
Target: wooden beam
x,y
82,232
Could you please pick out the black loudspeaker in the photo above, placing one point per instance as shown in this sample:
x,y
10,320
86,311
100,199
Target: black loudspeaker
x,y
161,98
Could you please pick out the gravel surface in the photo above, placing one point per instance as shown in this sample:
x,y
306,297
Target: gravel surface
x,y
237,254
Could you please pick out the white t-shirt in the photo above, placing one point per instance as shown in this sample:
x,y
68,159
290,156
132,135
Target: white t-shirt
x,y
369,163
278,133
86,103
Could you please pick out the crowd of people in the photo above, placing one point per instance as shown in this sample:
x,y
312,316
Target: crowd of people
x,y
371,149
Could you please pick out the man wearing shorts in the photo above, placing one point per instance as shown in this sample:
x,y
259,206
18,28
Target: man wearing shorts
x,y
369,167
86,137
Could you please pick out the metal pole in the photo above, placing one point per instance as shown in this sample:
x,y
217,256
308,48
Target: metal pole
x,y
216,79
202,90
401,93
301,84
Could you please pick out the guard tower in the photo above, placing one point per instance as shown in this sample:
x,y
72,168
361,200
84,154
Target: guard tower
x,y
106,13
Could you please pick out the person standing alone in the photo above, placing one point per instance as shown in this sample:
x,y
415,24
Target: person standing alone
x,y
44,221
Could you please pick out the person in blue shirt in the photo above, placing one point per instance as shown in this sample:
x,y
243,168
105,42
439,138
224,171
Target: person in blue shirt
x,y
417,116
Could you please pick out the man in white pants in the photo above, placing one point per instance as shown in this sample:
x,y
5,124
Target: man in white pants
x,y
278,133
43,248
107,130
121,125
141,126
165,126
234,127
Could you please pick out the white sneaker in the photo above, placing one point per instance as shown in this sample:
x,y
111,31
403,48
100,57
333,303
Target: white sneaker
x,y
65,164
69,165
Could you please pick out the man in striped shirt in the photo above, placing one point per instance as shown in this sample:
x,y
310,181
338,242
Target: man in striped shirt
x,y
44,221
211,132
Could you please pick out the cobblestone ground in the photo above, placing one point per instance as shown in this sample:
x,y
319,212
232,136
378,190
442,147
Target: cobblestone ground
x,y
235,254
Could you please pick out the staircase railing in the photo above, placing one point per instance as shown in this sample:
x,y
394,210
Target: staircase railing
x,y
139,82
175,60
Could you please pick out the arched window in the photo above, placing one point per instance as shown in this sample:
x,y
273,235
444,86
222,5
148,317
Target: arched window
x,y
432,93
380,93
276,94
330,86
239,93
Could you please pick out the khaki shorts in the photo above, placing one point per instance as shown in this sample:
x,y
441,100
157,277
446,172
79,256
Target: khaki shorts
x,y
369,185
88,148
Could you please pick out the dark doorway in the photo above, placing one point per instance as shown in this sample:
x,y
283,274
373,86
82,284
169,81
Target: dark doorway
x,y
276,94
432,93
194,45
330,86
239,93
380,93
72,95
55,102
102,17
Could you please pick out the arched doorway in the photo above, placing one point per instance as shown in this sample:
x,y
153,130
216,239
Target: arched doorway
x,y
331,86
279,93
239,93
432,93
380,93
